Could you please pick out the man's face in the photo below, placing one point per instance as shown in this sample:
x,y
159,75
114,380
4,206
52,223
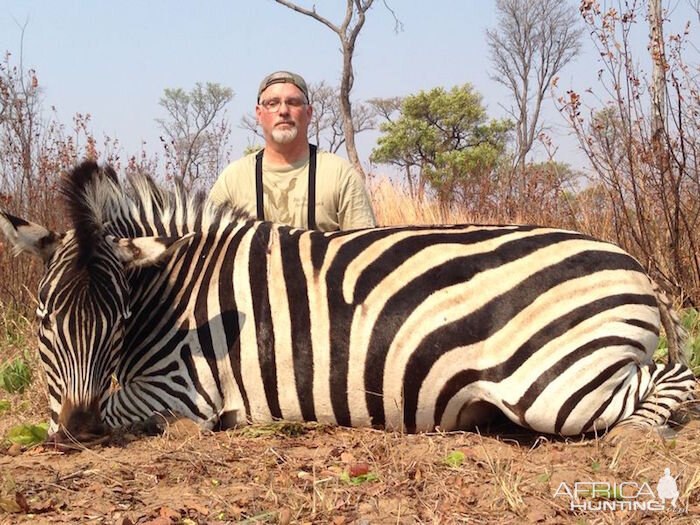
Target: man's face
x,y
291,120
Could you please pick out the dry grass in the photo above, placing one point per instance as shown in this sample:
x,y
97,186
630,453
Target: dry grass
x,y
271,477
393,206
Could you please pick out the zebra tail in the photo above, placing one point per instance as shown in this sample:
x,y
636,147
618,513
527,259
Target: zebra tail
x,y
676,335
673,384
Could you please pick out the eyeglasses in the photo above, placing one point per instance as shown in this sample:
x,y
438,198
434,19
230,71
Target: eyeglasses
x,y
273,105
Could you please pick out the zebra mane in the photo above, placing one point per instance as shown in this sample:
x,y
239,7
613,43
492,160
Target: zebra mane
x,y
79,189
98,205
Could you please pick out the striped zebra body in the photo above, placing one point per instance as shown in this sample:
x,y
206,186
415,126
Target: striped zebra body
x,y
397,327
410,328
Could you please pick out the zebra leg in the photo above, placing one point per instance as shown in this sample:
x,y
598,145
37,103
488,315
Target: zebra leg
x,y
668,386
661,389
476,414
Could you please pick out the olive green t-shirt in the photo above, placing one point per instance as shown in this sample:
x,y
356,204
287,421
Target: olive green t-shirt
x,y
342,202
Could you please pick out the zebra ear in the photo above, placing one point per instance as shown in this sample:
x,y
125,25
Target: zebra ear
x,y
29,237
147,251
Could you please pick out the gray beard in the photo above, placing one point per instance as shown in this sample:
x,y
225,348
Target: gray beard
x,y
284,136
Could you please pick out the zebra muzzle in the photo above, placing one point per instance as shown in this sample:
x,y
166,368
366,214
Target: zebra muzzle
x,y
80,426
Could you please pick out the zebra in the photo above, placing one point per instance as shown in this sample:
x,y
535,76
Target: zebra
x,y
207,313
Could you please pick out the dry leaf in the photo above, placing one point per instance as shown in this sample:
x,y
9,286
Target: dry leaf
x,y
197,508
21,501
285,516
170,514
347,457
161,521
9,505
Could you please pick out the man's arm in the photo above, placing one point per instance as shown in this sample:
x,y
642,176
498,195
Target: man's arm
x,y
354,205
219,193
233,187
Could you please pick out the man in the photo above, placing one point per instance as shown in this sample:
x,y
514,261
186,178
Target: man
x,y
279,182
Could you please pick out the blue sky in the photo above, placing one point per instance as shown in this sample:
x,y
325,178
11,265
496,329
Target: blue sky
x,y
114,59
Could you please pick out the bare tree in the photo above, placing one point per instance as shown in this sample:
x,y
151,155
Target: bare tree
x,y
20,120
347,31
35,149
250,123
196,131
327,116
327,122
646,160
327,126
533,41
658,82
386,108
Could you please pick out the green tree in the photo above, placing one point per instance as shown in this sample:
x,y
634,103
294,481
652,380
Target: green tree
x,y
443,141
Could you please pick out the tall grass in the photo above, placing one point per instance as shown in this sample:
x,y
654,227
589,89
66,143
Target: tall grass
x,y
394,206
16,375
17,355
23,392
690,319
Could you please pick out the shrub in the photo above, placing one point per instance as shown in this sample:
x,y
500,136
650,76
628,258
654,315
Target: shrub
x,y
16,375
690,319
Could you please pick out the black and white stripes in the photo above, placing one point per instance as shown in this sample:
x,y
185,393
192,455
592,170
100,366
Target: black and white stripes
x,y
233,320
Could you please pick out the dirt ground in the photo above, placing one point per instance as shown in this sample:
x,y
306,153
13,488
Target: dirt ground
x,y
290,473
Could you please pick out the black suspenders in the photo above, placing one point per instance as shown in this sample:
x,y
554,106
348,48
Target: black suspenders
x,y
259,185
311,202
311,205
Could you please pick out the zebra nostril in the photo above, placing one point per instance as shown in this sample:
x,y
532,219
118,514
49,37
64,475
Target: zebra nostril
x,y
56,438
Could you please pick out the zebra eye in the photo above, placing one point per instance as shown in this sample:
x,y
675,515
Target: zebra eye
x,y
44,318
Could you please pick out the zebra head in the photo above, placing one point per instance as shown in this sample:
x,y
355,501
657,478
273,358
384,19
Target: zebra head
x,y
83,297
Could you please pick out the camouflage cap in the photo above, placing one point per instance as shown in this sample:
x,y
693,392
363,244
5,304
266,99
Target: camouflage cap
x,y
280,77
